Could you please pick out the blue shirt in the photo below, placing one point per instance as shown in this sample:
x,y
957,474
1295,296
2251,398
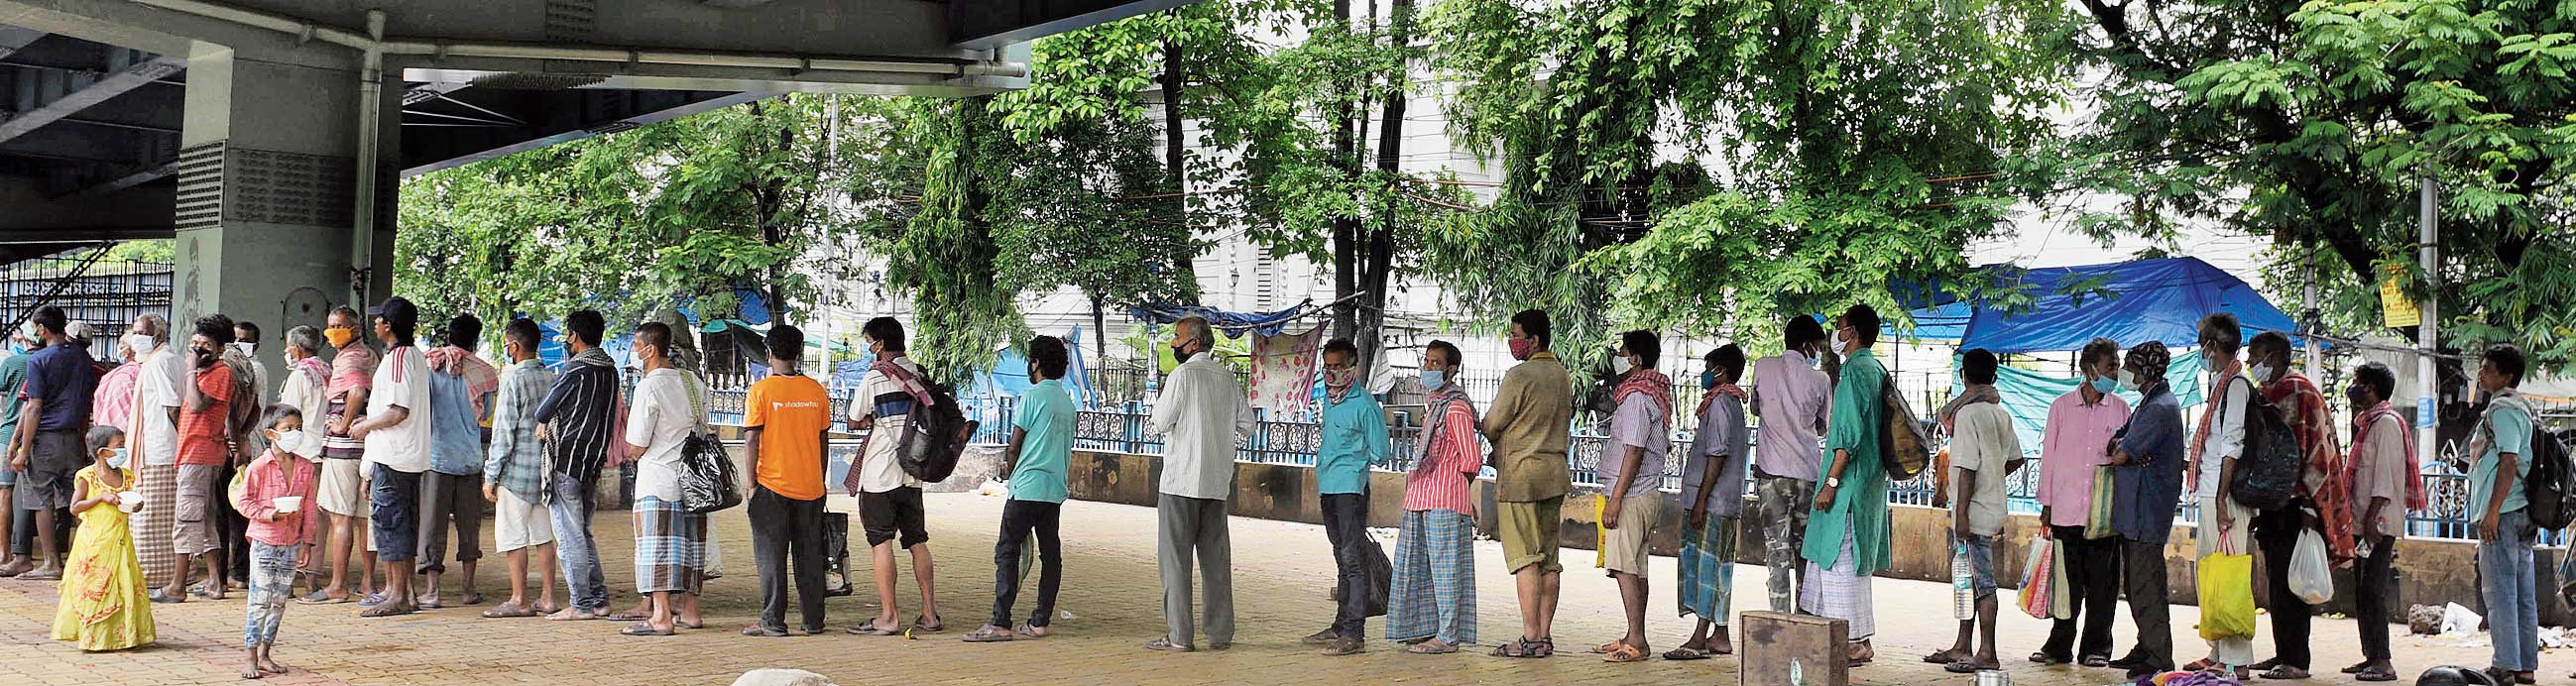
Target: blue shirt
x,y
62,377
1046,413
2508,430
1355,437
455,431
2148,489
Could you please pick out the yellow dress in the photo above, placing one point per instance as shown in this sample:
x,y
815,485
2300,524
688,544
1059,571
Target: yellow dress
x,y
104,603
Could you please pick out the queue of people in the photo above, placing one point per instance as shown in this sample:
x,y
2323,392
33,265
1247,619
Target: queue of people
x,y
374,452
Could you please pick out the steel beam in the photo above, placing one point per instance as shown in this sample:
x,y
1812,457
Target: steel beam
x,y
109,86
991,24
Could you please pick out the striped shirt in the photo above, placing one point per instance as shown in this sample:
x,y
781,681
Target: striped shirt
x,y
581,407
516,461
1440,480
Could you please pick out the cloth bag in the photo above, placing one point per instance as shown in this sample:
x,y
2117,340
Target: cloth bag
x,y
2097,522
2226,594
2311,574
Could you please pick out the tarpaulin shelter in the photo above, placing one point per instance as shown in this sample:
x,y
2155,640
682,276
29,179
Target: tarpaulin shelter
x,y
2027,394
1230,323
2130,302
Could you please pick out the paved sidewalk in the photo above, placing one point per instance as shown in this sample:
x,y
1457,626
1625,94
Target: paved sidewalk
x,y
1282,576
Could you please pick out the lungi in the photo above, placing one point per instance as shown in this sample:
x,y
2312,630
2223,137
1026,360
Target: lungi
x,y
670,547
1434,590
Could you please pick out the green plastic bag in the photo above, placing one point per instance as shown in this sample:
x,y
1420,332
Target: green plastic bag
x,y
2226,596
2097,522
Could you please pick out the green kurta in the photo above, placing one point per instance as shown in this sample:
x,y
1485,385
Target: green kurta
x,y
1860,504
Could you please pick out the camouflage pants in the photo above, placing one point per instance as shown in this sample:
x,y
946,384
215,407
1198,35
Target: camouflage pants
x,y
1783,505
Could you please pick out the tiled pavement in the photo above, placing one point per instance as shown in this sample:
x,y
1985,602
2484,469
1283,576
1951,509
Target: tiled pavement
x,y
1282,577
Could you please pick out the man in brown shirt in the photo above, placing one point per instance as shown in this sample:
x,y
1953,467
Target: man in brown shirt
x,y
1528,426
2383,484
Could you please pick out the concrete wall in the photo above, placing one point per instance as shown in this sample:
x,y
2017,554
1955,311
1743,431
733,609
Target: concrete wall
x,y
2430,572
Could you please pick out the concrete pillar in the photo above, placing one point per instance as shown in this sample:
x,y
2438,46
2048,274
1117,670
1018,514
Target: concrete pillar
x,y
266,192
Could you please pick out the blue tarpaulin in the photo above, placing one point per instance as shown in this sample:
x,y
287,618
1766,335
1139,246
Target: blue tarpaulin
x,y
1233,324
2027,394
2129,302
750,307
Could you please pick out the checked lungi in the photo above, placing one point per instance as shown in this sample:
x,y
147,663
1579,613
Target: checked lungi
x,y
152,524
1434,589
670,547
1707,566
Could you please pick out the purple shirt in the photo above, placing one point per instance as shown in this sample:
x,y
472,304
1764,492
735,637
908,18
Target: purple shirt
x,y
1639,423
2077,436
1792,399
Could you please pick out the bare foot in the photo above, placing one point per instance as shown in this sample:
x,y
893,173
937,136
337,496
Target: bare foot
x,y
270,665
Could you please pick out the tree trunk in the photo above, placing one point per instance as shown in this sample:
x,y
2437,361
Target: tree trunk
x,y
1380,267
1100,347
1347,251
1175,156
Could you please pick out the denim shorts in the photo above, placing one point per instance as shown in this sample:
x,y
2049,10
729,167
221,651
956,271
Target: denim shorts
x,y
1981,559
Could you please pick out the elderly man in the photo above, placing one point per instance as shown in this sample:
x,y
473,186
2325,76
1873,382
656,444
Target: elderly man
x,y
2080,424
152,421
1530,429
1200,414
2147,459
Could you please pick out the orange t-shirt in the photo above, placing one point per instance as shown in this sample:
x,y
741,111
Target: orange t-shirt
x,y
791,412
201,434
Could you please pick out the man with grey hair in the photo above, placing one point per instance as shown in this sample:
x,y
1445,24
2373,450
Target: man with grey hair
x,y
1200,414
154,425
307,388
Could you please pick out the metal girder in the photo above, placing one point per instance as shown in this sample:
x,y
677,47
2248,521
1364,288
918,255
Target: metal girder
x,y
15,38
556,116
991,24
121,78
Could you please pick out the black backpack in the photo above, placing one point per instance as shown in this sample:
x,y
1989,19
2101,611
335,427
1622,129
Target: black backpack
x,y
2553,503
2267,476
934,435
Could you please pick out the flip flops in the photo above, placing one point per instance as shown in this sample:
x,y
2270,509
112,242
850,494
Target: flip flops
x,y
644,629
320,598
1966,667
989,634
921,624
1681,654
508,609
1429,647
869,628
1624,654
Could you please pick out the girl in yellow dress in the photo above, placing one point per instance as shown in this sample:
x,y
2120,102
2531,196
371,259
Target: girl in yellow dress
x,y
104,605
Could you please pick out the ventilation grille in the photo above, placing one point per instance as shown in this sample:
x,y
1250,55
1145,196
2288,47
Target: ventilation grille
x,y
201,187
570,21
219,183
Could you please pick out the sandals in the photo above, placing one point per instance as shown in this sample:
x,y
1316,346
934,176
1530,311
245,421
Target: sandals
x,y
388,610
1430,647
320,598
2285,674
869,628
1524,648
1624,654
989,634
2374,674
1941,658
1029,631
1967,667
1682,654
2044,659
644,629
921,624
508,609
1606,648
2095,661
1165,644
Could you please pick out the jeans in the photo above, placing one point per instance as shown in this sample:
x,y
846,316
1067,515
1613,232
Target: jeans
x,y
2276,532
1782,504
395,495
2506,583
2093,580
2377,578
2142,575
272,582
1022,519
571,504
1346,529
787,542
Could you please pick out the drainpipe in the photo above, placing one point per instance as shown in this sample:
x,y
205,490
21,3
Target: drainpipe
x,y
371,97
2428,388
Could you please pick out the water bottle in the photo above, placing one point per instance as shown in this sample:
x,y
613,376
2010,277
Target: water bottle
x,y
1963,583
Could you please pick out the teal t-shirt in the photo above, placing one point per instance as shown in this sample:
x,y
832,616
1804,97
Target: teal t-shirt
x,y
1355,436
2511,427
1046,413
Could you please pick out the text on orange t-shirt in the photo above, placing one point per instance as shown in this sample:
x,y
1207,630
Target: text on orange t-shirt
x,y
791,412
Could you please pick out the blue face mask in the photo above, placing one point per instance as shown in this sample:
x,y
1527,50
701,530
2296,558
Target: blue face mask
x,y
2105,385
1434,379
1708,379
116,459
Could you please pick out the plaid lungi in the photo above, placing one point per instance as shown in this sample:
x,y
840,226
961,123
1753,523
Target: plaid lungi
x,y
160,488
1434,589
670,547
1839,592
1707,567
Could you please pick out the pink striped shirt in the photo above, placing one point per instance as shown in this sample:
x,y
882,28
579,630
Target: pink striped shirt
x,y
2077,439
1440,482
113,405
274,475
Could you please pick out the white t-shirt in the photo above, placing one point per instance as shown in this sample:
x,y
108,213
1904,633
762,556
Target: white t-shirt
x,y
660,419
401,380
1983,442
878,470
2227,435
306,392
161,387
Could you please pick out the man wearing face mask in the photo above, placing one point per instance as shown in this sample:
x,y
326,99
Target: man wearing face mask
x,y
154,419
246,342
2147,455
2075,445
1847,537
342,487
113,406
205,438
890,509
1200,414
1354,437
1530,426
1713,473
2321,504
13,377
1791,396
1432,599
2386,481
2215,449
1632,499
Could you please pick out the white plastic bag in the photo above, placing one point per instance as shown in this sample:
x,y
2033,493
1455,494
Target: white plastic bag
x,y
2311,574
2458,620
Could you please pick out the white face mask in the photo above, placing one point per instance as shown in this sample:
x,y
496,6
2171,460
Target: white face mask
x,y
139,343
1834,342
2262,373
2128,380
1627,365
247,349
298,443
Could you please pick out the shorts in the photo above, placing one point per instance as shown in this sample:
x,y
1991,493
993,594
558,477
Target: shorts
x,y
200,491
519,522
341,490
396,498
1623,549
47,483
1981,563
1529,531
891,512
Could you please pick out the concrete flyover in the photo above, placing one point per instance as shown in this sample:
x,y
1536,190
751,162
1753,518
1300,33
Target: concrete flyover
x,y
267,135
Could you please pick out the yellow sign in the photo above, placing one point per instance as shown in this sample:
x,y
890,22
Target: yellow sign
x,y
2398,310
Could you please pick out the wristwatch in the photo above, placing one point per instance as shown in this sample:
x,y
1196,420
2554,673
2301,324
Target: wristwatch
x,y
1833,482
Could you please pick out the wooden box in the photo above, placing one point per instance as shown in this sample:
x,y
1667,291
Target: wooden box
x,y
1792,650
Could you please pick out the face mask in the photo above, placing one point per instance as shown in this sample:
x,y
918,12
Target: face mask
x,y
2261,372
1180,354
1627,365
1433,378
1339,378
1835,342
247,349
340,338
116,458
295,442
2106,385
2128,380
17,348
2208,363
138,343
1520,348
2354,396
1708,379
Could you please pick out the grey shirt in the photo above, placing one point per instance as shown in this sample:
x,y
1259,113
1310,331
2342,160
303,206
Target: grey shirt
x,y
1724,444
1639,423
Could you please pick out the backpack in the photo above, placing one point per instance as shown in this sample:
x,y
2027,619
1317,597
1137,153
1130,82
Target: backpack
x,y
2552,500
1907,444
2267,475
935,432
